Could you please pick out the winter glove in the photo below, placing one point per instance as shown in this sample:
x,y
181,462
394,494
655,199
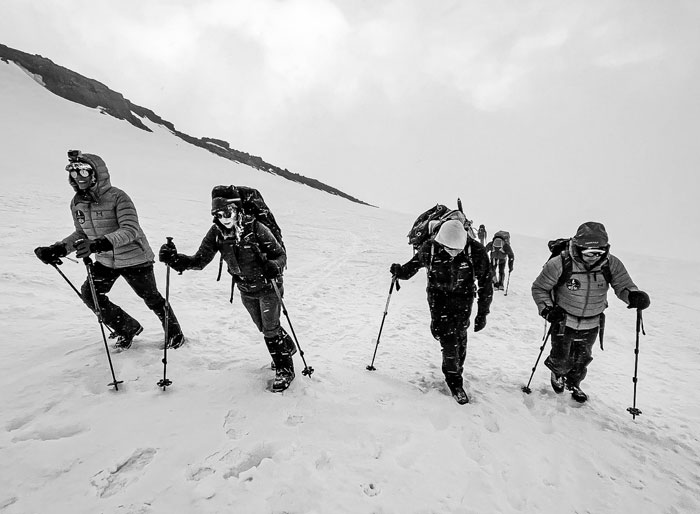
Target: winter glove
x,y
179,263
270,270
553,314
638,300
395,269
479,321
510,269
167,253
84,247
51,254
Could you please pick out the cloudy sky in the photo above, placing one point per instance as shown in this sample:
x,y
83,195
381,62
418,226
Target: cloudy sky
x,y
539,114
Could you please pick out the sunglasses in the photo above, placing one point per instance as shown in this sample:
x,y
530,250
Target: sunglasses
x,y
224,214
592,252
79,169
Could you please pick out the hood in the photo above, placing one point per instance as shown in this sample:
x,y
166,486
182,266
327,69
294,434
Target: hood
x,y
101,173
591,235
452,234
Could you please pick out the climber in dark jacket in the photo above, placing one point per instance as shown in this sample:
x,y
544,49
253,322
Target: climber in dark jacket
x,y
254,259
454,263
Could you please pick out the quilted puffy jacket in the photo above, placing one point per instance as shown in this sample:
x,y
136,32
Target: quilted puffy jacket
x,y
107,211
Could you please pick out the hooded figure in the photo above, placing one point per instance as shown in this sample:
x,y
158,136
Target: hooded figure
x,y
254,259
575,306
482,234
106,223
455,264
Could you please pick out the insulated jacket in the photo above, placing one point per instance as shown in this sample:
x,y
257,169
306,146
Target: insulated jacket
x,y
454,276
107,211
244,257
584,295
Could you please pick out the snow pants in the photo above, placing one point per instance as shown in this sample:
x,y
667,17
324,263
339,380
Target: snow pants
x,y
265,311
572,352
498,271
449,315
143,281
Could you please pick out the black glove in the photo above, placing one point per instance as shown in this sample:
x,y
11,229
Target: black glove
x,y
270,270
167,253
553,314
510,269
395,269
51,254
179,263
479,321
84,247
638,300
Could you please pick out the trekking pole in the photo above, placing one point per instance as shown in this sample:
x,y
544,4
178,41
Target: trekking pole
x,y
98,311
526,388
640,326
308,370
507,284
394,280
165,382
74,289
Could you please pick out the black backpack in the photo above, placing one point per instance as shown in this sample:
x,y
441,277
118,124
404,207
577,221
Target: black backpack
x,y
253,204
428,223
560,248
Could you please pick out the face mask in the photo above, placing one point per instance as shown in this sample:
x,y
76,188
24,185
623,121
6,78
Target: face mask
x,y
454,252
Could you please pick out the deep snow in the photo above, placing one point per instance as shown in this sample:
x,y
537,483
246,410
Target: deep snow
x,y
346,439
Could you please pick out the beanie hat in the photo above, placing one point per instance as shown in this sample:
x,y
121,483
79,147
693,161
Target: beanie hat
x,y
452,235
222,204
228,192
591,235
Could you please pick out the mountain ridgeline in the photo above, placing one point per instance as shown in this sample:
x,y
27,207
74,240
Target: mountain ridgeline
x,y
91,93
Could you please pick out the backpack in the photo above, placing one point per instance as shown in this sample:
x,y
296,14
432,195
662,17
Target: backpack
x,y
560,248
503,236
253,204
427,224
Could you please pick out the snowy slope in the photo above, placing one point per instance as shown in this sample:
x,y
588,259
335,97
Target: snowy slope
x,y
345,440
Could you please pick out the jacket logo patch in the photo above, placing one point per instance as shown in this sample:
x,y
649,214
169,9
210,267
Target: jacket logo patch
x,y
573,284
80,216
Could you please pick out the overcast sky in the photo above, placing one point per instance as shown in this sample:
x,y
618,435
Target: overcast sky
x,y
540,115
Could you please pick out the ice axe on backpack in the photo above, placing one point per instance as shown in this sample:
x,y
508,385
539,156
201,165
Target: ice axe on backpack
x,y
394,281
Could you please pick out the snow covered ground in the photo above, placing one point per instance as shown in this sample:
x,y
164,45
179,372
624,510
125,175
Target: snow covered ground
x,y
345,440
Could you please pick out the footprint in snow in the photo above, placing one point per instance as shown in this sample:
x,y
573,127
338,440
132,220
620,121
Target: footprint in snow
x,y
109,482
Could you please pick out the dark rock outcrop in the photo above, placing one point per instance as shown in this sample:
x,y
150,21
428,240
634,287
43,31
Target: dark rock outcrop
x,y
91,93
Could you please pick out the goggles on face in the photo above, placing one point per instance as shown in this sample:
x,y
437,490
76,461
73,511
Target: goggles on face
x,y
228,213
76,169
592,252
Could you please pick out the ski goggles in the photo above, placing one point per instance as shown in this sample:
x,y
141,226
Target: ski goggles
x,y
79,169
592,252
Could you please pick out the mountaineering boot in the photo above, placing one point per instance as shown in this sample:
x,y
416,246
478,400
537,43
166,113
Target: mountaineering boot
x,y
458,393
176,341
557,382
283,377
284,370
577,394
124,340
289,346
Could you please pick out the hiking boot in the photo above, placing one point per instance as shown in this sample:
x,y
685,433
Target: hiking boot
x,y
458,393
577,394
176,341
557,382
124,340
283,377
